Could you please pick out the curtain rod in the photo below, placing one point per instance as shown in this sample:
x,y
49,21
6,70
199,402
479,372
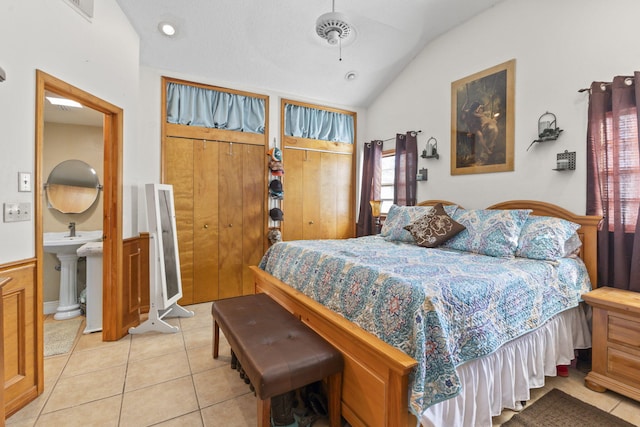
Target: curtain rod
x,y
411,131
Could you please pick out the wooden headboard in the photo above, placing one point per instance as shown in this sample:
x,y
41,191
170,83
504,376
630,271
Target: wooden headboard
x,y
588,231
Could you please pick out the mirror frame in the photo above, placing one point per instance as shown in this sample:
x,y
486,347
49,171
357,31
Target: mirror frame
x,y
73,186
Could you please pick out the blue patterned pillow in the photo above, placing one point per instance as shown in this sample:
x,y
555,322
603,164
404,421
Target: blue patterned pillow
x,y
547,238
401,216
489,232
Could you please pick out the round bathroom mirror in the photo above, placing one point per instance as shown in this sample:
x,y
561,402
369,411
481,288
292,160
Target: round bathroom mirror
x,y
72,187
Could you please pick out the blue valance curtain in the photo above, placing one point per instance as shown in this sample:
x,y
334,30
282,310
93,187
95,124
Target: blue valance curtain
x,y
320,124
196,106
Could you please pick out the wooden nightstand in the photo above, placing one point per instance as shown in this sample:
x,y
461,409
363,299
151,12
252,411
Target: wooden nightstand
x,y
616,341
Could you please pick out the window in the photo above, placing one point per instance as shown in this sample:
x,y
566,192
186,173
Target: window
x,y
388,166
622,157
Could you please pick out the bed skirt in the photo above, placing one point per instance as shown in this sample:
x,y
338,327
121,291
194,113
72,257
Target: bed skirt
x,y
501,379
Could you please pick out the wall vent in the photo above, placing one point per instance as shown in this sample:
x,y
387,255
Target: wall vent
x,y
83,7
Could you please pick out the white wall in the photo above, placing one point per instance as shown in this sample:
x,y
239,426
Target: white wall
x,y
557,52
99,57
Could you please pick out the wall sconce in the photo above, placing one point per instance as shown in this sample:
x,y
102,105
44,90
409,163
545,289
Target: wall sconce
x,y
375,212
431,149
566,161
547,129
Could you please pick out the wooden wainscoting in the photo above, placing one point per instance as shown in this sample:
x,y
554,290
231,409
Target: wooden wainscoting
x,y
23,351
135,269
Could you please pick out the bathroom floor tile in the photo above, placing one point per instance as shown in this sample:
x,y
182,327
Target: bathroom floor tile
x,y
238,412
199,337
96,359
161,402
172,380
154,370
104,412
84,388
192,419
217,385
94,340
201,358
152,344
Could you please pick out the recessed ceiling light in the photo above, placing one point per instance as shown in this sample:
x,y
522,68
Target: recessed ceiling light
x,y
351,75
64,101
167,29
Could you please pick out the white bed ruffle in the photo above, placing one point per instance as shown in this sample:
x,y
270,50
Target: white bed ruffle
x,y
501,379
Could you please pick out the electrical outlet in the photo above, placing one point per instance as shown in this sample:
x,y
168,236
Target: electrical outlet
x,y
14,212
24,181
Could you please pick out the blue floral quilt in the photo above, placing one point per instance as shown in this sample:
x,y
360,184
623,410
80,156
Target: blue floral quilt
x,y
441,307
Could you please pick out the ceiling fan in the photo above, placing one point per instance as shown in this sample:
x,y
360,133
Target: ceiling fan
x,y
333,26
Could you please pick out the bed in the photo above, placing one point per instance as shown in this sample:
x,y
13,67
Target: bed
x,y
382,383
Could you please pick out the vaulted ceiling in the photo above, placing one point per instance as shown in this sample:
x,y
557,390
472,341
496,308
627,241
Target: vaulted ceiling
x,y
272,44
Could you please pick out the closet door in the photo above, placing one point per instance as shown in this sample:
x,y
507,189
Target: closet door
x,y
294,186
317,195
345,195
241,201
205,221
313,212
178,171
230,219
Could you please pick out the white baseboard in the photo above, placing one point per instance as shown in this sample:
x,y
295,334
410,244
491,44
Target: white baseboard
x,y
50,307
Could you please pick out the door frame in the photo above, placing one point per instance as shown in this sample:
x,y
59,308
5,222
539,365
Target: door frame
x,y
112,279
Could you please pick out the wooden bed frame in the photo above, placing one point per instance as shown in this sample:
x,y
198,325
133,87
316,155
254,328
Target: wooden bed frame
x,y
376,375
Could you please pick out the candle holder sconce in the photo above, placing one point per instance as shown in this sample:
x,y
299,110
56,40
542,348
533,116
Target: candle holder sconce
x,y
547,129
565,161
431,149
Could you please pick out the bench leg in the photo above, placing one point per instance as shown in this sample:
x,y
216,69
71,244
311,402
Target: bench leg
x,y
334,386
264,412
216,339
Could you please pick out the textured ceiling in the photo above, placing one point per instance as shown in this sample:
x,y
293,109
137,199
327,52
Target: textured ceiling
x,y
272,45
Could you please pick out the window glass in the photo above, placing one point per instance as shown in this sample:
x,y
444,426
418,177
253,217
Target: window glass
x,y
387,181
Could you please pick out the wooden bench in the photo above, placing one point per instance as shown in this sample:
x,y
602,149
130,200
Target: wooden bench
x,y
277,351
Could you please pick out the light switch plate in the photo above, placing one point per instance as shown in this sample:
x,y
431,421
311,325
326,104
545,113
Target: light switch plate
x,y
24,181
14,212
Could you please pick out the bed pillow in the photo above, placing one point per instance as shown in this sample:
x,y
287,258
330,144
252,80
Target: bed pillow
x,y
401,216
488,231
434,228
548,238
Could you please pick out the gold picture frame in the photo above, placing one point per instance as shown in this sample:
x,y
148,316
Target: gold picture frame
x,y
482,121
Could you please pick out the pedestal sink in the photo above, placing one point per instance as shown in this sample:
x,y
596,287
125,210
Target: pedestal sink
x,y
65,247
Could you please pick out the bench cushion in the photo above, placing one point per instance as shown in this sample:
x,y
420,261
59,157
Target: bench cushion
x,y
277,351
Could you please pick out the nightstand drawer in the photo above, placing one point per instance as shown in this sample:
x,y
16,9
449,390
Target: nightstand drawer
x,y
624,366
622,330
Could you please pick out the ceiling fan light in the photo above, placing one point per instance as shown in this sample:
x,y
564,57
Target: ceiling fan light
x,y
333,26
333,37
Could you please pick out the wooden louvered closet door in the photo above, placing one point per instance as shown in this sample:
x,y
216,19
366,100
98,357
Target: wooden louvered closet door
x,y
219,192
317,195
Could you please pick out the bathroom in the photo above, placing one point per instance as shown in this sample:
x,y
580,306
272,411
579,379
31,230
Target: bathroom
x,y
69,133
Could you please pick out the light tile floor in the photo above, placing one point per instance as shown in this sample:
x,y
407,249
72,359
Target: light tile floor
x,y
172,380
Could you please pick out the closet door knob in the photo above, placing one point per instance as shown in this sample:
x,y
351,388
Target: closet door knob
x,y
310,222
206,226
230,225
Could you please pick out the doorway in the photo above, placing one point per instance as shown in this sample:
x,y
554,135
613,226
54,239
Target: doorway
x,y
111,198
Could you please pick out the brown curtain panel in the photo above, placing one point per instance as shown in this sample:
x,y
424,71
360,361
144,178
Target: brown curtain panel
x,y
613,179
371,178
406,168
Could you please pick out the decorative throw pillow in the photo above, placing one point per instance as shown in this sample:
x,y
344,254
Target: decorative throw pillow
x,y
401,216
548,238
434,228
488,231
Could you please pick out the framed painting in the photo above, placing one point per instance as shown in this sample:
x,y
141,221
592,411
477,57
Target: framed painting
x,y
482,121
